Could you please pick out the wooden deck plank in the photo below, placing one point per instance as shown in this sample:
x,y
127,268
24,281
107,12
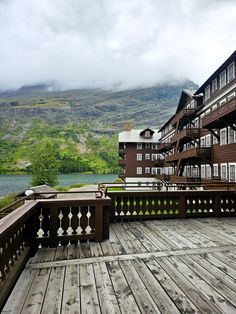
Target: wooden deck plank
x,y
71,291
198,299
72,251
125,242
106,294
140,293
84,250
17,298
213,281
124,294
107,248
227,258
159,295
95,249
135,242
178,297
48,255
36,295
115,242
89,297
197,278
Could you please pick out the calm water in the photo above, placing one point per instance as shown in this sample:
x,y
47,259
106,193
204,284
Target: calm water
x,y
18,183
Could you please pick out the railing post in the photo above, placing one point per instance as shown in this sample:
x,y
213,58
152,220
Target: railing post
x,y
182,206
106,221
53,226
99,223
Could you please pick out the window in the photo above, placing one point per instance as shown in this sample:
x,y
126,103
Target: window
x,y
139,146
139,170
147,145
207,93
139,157
203,171
223,137
147,169
147,134
223,79
147,156
208,140
214,85
224,172
231,96
230,72
222,102
215,170
231,136
232,171
154,145
208,171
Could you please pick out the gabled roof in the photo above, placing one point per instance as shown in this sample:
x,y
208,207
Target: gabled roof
x,y
142,133
185,96
217,72
133,136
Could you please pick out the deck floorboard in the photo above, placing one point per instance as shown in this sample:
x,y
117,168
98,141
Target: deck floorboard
x,y
159,266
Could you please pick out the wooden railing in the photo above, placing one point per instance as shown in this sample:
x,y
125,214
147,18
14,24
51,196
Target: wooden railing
x,y
214,116
189,132
201,152
171,204
47,223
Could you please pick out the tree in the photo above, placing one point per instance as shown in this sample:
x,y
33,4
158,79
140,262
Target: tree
x,y
44,164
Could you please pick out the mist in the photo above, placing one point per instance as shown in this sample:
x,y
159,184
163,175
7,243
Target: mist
x,y
113,44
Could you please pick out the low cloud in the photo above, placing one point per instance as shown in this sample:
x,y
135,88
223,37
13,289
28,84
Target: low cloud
x,y
104,43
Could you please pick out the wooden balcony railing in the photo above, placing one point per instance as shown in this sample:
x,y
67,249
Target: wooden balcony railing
x,y
188,133
183,113
163,147
199,152
136,205
122,163
184,179
212,120
158,162
47,223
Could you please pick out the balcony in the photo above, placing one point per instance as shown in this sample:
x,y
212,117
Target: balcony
x,y
200,152
163,147
122,163
186,133
185,180
122,152
223,115
67,272
182,114
157,162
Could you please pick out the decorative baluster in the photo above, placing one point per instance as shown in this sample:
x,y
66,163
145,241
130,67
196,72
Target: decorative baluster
x,y
79,229
60,230
88,229
40,232
70,230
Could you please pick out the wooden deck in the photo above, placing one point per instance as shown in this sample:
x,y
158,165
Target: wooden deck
x,y
161,266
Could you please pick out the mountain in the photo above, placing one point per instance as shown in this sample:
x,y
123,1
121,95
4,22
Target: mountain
x,y
78,121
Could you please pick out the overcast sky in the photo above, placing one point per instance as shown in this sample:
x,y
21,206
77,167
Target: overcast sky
x,y
105,43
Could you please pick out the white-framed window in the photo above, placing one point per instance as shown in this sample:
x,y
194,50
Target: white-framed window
x,y
223,101
214,139
207,92
139,157
147,156
203,141
230,72
214,85
154,145
231,136
147,134
203,171
222,79
139,145
208,140
223,138
208,171
215,170
139,170
232,172
214,107
147,145
223,171
147,169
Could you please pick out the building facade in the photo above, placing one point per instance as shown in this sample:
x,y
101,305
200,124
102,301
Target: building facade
x,y
140,161
198,142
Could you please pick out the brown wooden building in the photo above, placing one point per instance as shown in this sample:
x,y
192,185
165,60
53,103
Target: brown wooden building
x,y
199,141
140,160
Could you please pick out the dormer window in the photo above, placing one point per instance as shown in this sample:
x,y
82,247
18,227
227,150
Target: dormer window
x,y
207,93
214,85
147,134
230,72
222,79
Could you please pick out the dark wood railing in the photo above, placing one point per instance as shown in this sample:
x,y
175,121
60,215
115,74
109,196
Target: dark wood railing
x,y
212,119
189,132
47,223
201,152
136,205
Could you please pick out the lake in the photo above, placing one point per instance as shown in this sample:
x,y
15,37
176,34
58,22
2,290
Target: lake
x,y
18,183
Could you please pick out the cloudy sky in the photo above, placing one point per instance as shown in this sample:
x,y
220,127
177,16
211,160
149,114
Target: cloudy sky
x,y
106,43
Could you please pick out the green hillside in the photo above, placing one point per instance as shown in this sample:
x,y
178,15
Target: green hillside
x,y
82,124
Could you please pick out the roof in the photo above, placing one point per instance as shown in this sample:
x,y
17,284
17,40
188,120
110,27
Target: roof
x,y
217,72
133,136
